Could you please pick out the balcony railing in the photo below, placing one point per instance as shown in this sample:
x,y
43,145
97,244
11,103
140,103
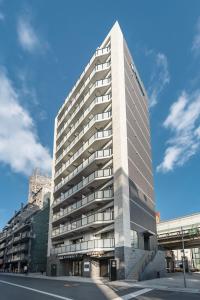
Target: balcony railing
x,y
98,52
102,51
99,83
22,236
92,219
96,155
97,136
3,235
91,245
96,118
96,69
96,101
18,257
99,195
83,183
3,245
17,249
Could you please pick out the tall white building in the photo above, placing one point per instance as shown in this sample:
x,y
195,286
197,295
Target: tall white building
x,y
103,198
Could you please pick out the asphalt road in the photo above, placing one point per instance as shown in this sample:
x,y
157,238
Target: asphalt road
x,y
20,288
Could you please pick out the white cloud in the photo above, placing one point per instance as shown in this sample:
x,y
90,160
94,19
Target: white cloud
x,y
196,39
19,144
27,36
171,155
160,77
184,123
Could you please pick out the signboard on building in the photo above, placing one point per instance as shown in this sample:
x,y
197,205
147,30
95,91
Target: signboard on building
x,y
157,217
86,266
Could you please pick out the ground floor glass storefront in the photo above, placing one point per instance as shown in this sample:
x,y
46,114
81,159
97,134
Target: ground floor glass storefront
x,y
82,265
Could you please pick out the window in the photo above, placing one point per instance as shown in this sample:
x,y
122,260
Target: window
x,y
134,239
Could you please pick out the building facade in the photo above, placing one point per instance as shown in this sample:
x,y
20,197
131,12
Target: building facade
x,y
103,196
39,186
24,240
170,235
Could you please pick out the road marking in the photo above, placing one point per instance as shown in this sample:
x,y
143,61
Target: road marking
x,y
133,295
34,290
71,285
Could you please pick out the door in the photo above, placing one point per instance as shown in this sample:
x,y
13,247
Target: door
x,y
146,242
77,268
104,268
53,270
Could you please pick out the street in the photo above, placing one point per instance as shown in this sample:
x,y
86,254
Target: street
x,y
20,288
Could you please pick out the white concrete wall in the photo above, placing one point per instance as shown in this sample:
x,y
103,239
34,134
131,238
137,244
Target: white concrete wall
x,y
120,151
176,224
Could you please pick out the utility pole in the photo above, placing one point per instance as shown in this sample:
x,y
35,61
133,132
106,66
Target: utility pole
x,y
183,251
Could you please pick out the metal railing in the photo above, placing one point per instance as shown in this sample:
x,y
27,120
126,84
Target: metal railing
x,y
106,194
98,117
18,257
98,83
98,52
97,217
97,136
95,175
193,231
98,154
97,100
22,236
17,249
96,69
3,245
101,244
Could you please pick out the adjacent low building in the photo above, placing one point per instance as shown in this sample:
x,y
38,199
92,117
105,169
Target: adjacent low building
x,y
23,241
171,235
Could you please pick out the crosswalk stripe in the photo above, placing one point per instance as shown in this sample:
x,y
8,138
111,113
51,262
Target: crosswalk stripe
x,y
134,294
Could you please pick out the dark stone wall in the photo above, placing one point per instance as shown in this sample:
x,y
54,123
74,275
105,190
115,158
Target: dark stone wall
x,y
38,253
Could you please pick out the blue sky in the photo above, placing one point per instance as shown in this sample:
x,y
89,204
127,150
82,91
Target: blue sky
x,y
44,46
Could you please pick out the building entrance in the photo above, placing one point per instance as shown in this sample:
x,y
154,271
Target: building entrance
x,y
77,268
104,268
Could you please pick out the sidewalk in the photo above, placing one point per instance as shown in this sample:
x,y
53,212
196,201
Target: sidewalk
x,y
172,282
62,278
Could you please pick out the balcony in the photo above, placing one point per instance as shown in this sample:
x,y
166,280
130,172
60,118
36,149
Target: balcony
x,y
102,51
86,223
99,84
98,54
98,71
82,205
101,156
103,118
3,245
84,247
92,180
3,236
101,137
22,236
19,248
98,105
18,258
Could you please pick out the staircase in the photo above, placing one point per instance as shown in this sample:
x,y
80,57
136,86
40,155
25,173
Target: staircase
x,y
139,261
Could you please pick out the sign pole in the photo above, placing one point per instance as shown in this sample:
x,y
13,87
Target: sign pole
x,y
183,250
